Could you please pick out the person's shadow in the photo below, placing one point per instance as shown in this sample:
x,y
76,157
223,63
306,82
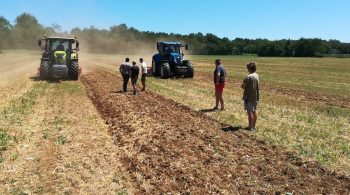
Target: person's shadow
x,y
208,110
231,128
118,91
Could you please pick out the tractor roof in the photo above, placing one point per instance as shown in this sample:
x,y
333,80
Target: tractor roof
x,y
170,43
63,38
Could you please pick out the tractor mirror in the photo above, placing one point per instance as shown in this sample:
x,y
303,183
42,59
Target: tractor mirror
x,y
77,44
39,42
186,46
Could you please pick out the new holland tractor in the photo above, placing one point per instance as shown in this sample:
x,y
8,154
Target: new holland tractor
x,y
170,62
59,58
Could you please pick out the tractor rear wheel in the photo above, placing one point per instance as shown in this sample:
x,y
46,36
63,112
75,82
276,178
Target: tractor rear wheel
x,y
154,68
165,71
44,70
190,70
73,70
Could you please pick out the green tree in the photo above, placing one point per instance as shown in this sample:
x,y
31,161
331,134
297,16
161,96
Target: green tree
x,y
5,28
27,30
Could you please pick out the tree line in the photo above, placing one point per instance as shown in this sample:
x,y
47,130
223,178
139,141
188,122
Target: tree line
x,y
123,39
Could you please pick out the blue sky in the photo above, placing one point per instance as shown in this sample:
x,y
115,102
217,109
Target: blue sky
x,y
272,19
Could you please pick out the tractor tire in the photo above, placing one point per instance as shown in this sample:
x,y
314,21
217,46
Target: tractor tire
x,y
44,70
73,70
154,68
165,71
190,70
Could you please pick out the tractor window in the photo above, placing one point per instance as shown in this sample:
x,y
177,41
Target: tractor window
x,y
171,49
59,45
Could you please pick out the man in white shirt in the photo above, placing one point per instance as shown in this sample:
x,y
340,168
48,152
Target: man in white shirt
x,y
143,73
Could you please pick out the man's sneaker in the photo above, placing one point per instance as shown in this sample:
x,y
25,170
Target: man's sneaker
x,y
222,109
215,108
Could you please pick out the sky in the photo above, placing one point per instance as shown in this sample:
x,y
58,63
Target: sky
x,y
271,19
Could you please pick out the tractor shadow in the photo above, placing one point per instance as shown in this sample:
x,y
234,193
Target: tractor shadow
x,y
51,80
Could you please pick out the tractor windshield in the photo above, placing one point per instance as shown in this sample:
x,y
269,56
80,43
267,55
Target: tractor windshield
x,y
171,49
59,45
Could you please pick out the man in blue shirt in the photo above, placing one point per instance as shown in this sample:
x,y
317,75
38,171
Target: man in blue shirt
x,y
219,82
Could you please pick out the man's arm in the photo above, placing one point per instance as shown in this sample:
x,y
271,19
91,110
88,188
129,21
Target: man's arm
x,y
120,69
258,93
244,83
217,79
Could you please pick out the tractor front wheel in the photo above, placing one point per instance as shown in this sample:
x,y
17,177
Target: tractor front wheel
x,y
44,70
165,71
190,70
73,70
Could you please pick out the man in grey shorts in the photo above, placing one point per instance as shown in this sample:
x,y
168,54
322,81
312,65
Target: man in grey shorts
x,y
251,94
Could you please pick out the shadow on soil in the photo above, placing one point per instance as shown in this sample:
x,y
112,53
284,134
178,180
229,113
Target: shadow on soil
x,y
208,110
52,80
118,91
231,128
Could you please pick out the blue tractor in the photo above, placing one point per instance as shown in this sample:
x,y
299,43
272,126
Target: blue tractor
x,y
170,62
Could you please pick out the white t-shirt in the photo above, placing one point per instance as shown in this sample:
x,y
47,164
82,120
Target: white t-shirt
x,y
144,68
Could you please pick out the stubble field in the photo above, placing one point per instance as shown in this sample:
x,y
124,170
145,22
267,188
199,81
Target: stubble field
x,y
83,137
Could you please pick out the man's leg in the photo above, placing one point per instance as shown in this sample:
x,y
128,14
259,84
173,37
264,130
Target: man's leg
x,y
217,99
127,77
250,119
134,87
124,82
221,99
143,81
255,118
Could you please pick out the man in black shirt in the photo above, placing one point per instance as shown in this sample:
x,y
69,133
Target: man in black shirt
x,y
134,74
125,72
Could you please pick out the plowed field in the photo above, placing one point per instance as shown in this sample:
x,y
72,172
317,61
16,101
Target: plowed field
x,y
167,147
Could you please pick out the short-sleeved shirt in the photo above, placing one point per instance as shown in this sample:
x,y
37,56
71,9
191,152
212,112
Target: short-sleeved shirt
x,y
144,68
125,68
135,70
220,69
251,90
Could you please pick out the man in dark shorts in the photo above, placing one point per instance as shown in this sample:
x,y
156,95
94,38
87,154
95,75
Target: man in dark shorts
x,y
125,72
219,82
251,95
143,74
134,74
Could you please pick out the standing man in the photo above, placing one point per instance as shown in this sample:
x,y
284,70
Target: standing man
x,y
134,74
219,81
125,72
144,74
251,95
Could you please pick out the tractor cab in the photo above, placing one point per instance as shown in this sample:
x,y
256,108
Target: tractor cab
x,y
171,51
58,49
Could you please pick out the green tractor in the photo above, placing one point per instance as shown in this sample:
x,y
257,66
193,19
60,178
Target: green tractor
x,y
59,58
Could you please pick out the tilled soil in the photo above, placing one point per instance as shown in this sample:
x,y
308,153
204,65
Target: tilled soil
x,y
166,147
